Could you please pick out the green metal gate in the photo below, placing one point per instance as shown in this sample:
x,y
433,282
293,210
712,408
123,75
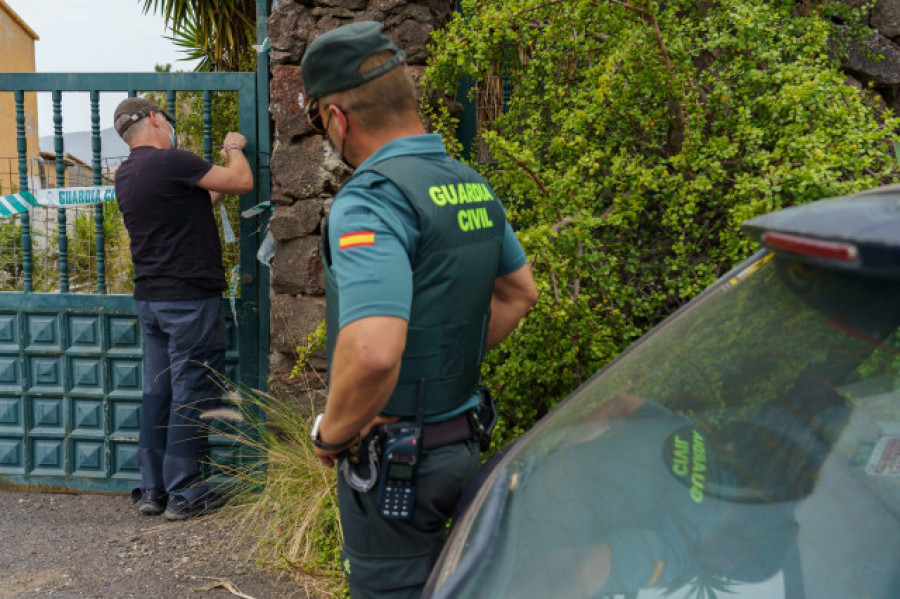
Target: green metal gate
x,y
71,363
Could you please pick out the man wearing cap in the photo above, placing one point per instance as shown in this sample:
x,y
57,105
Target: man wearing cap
x,y
166,197
423,275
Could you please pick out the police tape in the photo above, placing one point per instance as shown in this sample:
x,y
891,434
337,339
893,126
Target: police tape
x,y
62,197
68,197
16,202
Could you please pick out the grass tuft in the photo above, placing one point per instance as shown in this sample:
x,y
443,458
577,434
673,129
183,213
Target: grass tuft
x,y
284,500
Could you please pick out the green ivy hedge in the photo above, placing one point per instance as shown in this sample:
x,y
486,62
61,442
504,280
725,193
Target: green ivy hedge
x,y
636,137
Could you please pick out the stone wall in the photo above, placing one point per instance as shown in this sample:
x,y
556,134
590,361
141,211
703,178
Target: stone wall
x,y
305,175
864,66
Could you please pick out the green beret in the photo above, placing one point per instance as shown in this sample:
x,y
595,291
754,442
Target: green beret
x,y
331,63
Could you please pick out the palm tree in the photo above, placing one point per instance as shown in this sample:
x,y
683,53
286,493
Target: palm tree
x,y
219,33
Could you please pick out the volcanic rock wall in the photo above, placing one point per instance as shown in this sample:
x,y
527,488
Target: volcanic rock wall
x,y
306,175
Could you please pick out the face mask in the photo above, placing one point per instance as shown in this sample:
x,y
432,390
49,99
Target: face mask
x,y
332,148
338,153
174,142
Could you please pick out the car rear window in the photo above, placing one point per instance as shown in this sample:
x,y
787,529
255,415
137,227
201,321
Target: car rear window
x,y
748,447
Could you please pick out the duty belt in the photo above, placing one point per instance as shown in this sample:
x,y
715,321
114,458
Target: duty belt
x,y
458,428
434,434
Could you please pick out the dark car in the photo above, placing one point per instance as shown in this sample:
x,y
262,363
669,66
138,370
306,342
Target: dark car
x,y
749,446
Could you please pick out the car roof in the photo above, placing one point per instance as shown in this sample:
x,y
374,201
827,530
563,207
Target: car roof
x,y
868,223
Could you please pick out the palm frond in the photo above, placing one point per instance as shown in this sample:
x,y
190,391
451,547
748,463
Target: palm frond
x,y
219,34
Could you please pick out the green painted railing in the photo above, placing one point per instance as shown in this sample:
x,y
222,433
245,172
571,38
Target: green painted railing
x,y
70,361
22,151
96,84
61,182
99,232
252,118
263,180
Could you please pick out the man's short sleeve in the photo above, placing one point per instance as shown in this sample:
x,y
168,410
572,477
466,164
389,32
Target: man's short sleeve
x,y
368,261
187,168
512,256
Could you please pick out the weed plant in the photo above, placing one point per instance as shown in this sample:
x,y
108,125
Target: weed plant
x,y
284,500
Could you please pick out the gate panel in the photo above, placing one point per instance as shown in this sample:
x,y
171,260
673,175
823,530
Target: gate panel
x,y
70,363
70,391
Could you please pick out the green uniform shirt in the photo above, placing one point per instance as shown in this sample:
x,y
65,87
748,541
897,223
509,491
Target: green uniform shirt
x,y
373,235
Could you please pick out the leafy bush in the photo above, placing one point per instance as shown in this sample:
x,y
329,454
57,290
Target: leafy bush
x,y
635,138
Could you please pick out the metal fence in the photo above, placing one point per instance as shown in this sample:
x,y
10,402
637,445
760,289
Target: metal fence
x,y
491,96
80,231
70,342
85,249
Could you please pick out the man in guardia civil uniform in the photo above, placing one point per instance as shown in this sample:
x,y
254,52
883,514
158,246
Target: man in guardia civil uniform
x,y
423,275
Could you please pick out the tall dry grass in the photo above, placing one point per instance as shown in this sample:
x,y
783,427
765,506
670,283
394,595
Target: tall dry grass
x,y
284,502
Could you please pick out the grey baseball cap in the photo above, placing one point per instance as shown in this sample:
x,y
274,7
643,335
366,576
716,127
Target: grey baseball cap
x,y
131,110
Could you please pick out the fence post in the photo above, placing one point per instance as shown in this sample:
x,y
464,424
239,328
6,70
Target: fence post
x,y
22,147
61,182
207,125
99,232
170,103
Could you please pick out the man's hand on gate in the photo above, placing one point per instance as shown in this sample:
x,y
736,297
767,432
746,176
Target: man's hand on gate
x,y
234,141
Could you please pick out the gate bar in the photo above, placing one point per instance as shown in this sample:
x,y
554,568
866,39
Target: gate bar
x,y
61,233
99,232
124,82
22,149
264,182
207,125
246,85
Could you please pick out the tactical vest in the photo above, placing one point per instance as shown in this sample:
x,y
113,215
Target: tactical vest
x,y
454,268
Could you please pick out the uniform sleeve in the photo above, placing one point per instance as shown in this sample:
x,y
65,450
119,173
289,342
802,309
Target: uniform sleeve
x,y
369,259
512,256
186,168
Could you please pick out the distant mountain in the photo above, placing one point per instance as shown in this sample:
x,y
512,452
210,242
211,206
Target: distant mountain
x,y
79,145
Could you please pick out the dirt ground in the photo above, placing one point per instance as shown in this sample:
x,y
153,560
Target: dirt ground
x,y
99,546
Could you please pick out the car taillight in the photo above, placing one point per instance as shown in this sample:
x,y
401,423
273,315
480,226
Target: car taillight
x,y
817,248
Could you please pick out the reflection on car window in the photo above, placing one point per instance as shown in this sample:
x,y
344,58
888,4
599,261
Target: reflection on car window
x,y
722,456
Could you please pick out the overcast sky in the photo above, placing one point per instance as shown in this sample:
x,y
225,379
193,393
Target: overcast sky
x,y
96,36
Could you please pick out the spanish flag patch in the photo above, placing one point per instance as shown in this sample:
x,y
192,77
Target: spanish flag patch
x,y
357,239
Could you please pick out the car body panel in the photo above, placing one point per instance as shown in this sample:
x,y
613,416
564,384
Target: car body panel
x,y
748,446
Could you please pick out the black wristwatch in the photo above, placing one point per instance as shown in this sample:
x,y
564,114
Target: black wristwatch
x,y
318,442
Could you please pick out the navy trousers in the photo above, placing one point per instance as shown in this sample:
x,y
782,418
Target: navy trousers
x,y
184,358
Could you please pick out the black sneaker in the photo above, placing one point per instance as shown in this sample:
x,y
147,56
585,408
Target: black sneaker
x,y
180,508
150,502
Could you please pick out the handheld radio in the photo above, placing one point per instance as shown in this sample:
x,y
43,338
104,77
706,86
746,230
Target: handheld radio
x,y
400,464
